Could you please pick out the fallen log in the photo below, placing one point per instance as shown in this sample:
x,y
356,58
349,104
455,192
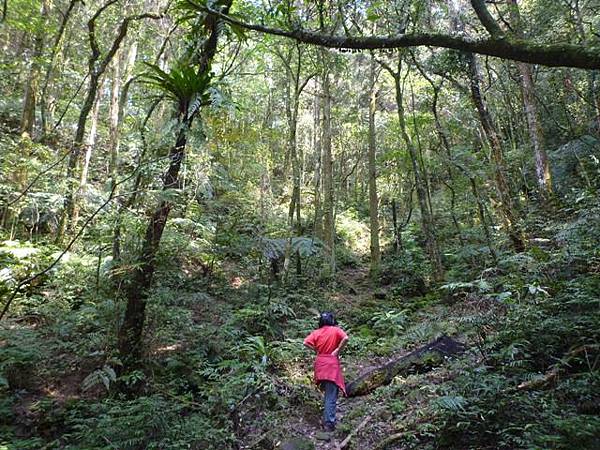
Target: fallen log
x,y
420,360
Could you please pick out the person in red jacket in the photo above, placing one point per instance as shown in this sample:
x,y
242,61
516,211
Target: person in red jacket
x,y
328,341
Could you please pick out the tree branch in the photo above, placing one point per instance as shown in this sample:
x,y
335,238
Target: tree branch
x,y
92,29
553,55
486,19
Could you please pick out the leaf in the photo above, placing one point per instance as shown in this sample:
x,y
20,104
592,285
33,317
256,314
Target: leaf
x,y
239,32
104,376
372,16
452,403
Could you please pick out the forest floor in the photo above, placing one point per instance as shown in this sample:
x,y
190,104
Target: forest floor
x,y
228,350
352,291
363,421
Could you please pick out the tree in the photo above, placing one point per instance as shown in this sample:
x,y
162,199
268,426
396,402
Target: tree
x,y
97,65
536,134
295,84
506,204
31,88
431,241
373,199
327,166
187,85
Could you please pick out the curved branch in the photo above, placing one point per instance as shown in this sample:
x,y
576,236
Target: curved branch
x,y
553,55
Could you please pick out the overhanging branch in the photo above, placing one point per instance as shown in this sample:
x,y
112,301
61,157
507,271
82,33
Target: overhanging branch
x,y
553,55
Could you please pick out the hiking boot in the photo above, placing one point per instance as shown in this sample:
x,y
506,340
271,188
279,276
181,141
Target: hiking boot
x,y
329,427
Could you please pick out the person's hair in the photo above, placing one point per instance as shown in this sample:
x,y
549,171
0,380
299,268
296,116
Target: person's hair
x,y
327,318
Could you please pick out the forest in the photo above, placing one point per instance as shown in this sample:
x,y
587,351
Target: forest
x,y
186,185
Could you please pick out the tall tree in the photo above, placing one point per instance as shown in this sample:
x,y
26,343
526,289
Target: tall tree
x,y
507,206
428,225
372,162
189,95
327,166
536,134
292,61
97,65
45,113
31,87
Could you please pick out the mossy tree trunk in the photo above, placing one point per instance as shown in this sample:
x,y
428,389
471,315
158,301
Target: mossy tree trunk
x,y
431,241
420,360
507,207
327,171
536,134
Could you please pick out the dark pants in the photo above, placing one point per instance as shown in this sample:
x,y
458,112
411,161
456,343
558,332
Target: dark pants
x,y
331,394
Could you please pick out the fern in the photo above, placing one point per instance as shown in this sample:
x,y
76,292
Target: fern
x,y
184,85
104,376
452,403
274,248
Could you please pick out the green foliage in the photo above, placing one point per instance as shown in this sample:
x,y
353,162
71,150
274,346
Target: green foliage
x,y
149,422
389,322
223,363
21,351
267,317
274,248
184,85
105,376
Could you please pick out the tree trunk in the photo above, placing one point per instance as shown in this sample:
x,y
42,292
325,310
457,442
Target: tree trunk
x,y
71,209
96,67
506,204
130,333
29,98
294,88
373,200
113,120
536,135
420,360
44,110
397,236
542,165
328,199
431,243
318,151
90,143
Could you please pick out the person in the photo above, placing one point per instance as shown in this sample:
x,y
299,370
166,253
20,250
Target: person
x,y
328,341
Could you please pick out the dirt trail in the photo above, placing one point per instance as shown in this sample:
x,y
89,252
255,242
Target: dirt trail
x,y
354,287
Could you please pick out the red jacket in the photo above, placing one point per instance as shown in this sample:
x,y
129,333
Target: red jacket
x,y
327,366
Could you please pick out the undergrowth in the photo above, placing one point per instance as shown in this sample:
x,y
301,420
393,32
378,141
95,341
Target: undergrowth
x,y
225,365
